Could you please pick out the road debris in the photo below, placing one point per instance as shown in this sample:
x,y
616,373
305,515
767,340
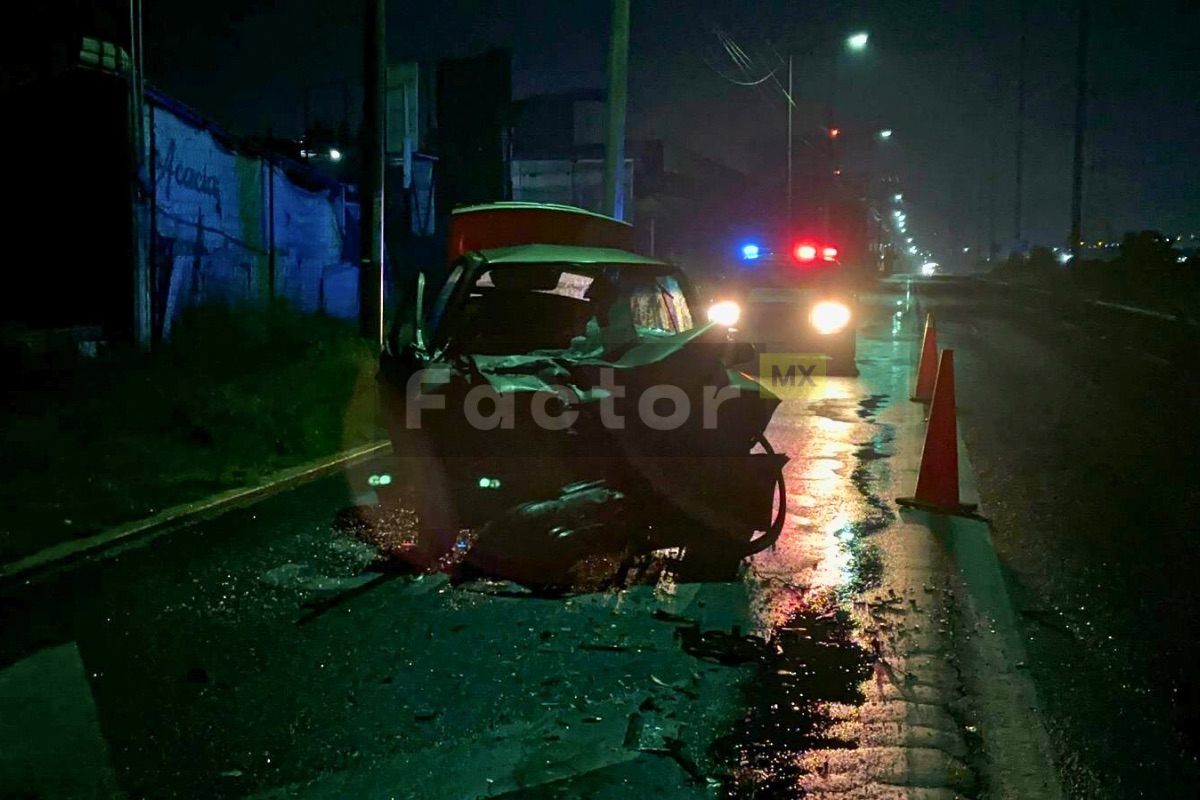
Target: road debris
x,y
722,647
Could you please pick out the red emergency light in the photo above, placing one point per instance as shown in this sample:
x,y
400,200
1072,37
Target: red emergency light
x,y
806,252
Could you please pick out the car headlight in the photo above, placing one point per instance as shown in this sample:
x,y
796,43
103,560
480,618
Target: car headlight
x,y
725,313
829,317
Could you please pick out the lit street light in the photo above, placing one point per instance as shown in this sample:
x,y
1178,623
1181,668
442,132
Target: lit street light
x,y
899,197
855,43
886,133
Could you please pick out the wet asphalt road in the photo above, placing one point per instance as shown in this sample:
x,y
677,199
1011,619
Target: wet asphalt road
x,y
1083,426
264,654
246,655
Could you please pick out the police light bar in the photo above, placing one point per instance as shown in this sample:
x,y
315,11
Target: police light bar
x,y
806,252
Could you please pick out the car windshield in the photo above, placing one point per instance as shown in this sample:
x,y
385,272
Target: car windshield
x,y
518,308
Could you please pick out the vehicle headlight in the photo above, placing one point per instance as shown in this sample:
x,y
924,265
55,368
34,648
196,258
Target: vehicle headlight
x,y
830,317
725,313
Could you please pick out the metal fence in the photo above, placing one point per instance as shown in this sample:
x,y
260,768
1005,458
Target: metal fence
x,y
231,226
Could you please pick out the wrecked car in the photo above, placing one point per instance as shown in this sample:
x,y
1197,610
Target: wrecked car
x,y
563,398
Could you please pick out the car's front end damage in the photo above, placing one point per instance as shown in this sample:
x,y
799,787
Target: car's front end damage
x,y
559,401
526,445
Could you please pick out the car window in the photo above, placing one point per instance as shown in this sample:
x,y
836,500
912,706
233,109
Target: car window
x,y
659,306
522,308
570,284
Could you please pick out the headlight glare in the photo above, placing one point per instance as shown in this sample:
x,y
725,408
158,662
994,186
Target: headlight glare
x,y
725,313
830,317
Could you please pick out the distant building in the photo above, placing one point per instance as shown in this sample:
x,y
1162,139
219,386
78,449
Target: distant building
x,y
681,203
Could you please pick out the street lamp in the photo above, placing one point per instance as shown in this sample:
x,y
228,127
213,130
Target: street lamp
x,y
854,43
885,134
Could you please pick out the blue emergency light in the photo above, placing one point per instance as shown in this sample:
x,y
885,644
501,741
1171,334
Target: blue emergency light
x,y
750,252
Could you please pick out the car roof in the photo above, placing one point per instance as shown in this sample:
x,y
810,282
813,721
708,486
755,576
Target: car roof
x,y
523,205
566,254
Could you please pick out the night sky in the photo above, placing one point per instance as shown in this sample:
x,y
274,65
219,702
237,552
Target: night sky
x,y
941,75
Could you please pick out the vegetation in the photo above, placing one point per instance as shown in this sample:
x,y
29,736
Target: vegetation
x,y
1148,272
1040,265
234,396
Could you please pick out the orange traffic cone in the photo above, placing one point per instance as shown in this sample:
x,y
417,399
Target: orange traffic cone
x,y
927,368
937,483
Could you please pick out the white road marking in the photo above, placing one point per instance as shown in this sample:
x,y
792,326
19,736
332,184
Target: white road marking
x,y
1149,312
1135,310
1156,359
1148,356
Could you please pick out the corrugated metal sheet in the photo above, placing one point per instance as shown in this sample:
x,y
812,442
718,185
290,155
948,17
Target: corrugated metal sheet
x,y
232,226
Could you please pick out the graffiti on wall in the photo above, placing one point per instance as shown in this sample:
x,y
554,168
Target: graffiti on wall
x,y
175,171
232,227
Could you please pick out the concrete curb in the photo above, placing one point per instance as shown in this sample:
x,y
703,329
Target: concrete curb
x,y
912,731
969,614
186,514
949,712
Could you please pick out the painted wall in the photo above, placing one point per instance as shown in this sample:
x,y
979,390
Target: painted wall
x,y
232,227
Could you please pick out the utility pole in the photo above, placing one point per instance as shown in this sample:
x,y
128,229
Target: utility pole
x,y
370,199
1080,125
1022,57
831,139
791,107
618,90
139,229
997,117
